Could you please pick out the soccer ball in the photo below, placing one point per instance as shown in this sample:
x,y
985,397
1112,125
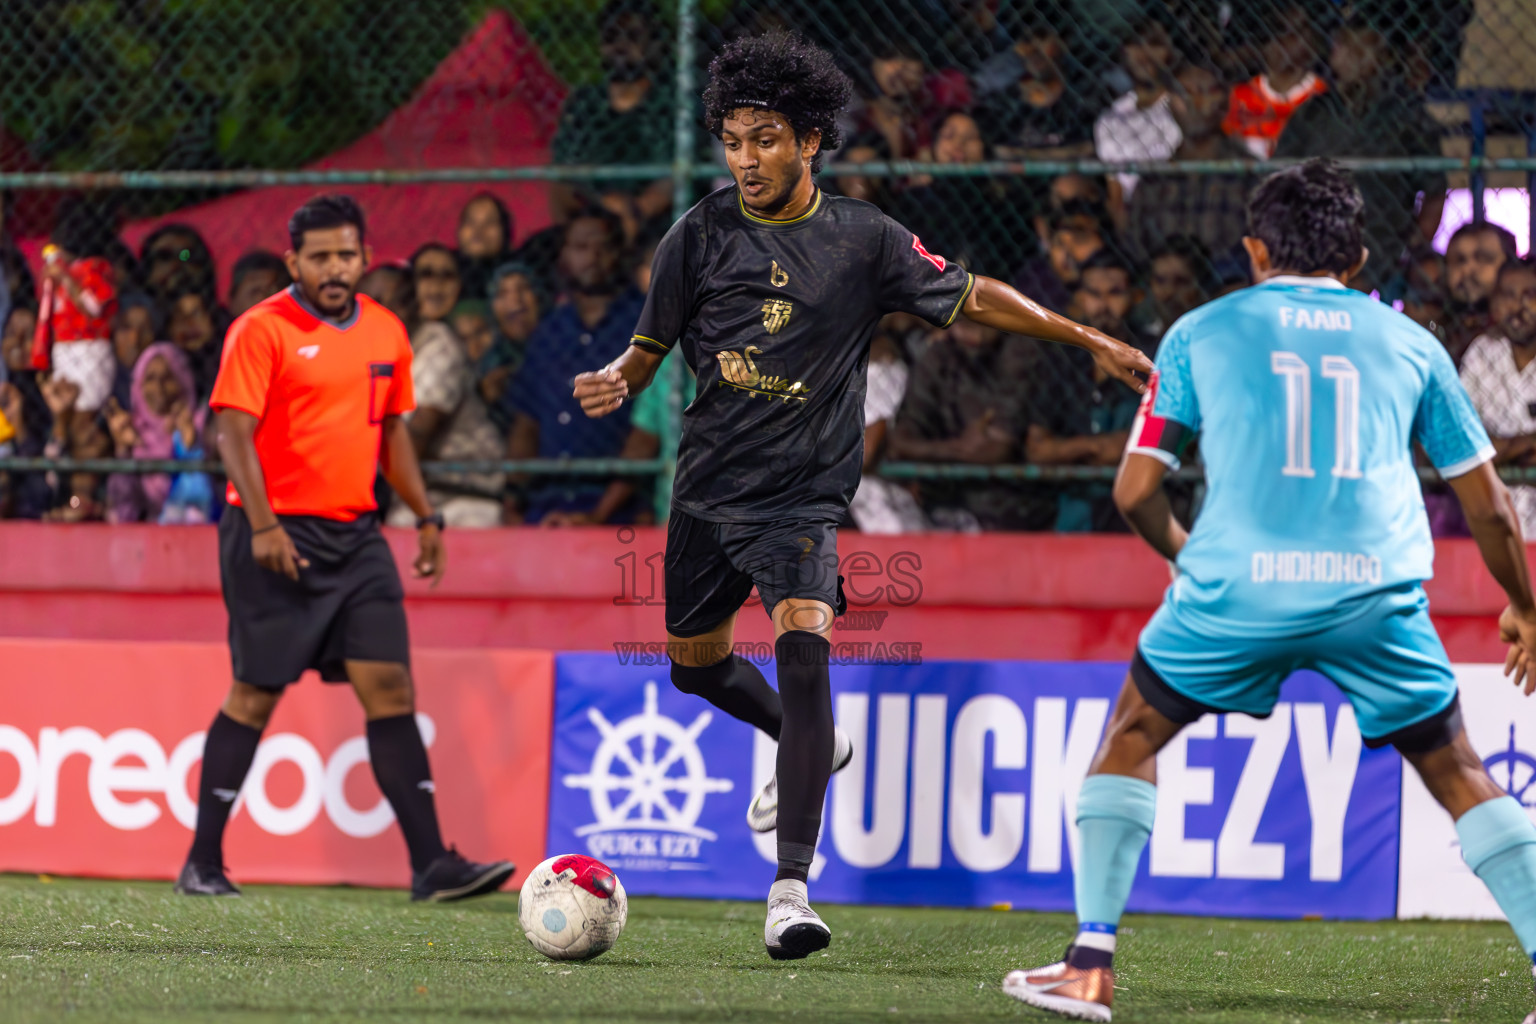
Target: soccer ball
x,y
572,907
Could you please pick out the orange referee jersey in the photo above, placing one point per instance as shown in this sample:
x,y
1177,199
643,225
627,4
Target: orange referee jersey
x,y
321,391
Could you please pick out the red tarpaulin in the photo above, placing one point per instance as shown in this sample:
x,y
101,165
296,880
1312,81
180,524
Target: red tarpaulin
x,y
493,102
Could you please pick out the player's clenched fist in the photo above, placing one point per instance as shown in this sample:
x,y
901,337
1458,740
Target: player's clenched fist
x,y
601,392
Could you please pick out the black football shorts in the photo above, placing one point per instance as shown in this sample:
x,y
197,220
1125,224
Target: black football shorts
x,y
711,568
348,605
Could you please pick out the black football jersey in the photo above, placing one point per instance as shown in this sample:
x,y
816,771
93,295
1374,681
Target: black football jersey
x,y
775,317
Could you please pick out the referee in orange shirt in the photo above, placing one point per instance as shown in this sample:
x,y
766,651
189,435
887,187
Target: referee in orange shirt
x,y
310,395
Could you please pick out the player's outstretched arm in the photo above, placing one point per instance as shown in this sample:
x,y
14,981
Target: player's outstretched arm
x,y
1495,526
1140,498
1000,305
603,391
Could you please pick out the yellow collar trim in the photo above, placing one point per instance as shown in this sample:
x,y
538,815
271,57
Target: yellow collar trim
x,y
778,223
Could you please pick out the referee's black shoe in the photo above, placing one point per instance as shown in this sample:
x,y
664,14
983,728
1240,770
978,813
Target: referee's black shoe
x,y
451,877
205,880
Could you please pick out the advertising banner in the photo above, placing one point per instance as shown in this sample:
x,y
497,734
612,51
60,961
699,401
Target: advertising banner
x,y
963,792
100,745
1501,725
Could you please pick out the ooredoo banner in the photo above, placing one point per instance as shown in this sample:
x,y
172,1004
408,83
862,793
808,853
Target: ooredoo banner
x,y
964,788
100,746
1501,725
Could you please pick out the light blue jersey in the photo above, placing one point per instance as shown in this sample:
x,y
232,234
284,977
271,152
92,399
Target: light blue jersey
x,y
1307,397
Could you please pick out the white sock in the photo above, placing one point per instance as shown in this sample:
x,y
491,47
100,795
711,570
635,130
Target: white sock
x,y
1095,940
788,887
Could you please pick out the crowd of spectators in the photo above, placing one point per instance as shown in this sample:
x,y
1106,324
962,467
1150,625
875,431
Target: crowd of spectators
x,y
500,324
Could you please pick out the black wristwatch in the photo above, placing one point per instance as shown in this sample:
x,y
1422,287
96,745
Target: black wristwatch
x,y
435,519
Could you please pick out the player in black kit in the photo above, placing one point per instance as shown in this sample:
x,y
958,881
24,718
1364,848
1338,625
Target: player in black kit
x,y
774,290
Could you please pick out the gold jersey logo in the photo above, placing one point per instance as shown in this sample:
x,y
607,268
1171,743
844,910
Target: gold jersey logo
x,y
776,314
777,277
741,373
737,367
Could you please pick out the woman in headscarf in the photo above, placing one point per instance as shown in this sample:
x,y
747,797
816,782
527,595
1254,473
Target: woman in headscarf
x,y
164,421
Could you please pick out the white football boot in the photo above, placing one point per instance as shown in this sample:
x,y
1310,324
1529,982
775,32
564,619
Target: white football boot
x,y
793,931
763,814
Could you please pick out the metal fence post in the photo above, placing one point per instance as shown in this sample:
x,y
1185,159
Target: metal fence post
x,y
1530,177
1479,152
670,374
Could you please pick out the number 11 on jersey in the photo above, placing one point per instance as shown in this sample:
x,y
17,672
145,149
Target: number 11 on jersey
x,y
1297,376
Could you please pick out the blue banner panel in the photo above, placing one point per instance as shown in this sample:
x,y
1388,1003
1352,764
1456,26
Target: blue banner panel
x,y
963,791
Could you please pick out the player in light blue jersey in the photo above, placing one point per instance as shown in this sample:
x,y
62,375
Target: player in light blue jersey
x,y
1310,553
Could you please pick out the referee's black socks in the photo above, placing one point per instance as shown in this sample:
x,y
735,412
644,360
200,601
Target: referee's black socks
x,y
735,686
805,747
227,754
400,765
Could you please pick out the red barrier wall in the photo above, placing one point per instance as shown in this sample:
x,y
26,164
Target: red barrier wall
x,y
100,744
1038,596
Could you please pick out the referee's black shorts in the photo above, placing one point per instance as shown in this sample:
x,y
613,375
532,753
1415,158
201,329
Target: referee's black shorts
x,y
348,605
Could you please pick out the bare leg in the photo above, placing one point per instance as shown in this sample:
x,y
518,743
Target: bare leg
x,y
251,706
706,648
383,688
1136,732
1455,776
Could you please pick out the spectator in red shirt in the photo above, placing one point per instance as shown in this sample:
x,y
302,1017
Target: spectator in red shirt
x,y
75,322
1261,106
74,339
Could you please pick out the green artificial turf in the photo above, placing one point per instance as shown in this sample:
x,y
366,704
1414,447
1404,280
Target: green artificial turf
x,y
90,950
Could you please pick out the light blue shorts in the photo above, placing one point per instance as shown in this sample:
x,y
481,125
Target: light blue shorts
x,y
1383,653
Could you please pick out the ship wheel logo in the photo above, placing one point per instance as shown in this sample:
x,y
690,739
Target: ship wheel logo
x,y
648,773
1514,770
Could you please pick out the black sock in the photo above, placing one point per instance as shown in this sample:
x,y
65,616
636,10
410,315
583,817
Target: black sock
x,y
227,755
805,747
400,765
1085,957
735,686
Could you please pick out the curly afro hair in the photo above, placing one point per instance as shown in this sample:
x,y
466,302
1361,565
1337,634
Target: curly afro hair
x,y
1311,217
781,72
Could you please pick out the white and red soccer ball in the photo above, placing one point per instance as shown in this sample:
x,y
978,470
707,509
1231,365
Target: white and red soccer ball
x,y
572,907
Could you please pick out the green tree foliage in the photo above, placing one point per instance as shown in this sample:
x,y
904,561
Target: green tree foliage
x,y
203,84
98,85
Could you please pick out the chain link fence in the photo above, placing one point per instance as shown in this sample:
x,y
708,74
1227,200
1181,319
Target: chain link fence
x,y
1096,153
